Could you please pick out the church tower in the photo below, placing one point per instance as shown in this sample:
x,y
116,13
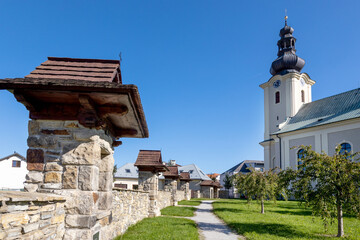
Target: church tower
x,y
285,92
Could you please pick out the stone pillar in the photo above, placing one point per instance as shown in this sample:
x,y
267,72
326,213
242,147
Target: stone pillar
x,y
187,191
174,201
68,159
148,182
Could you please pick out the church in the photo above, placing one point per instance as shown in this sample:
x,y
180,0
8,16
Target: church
x,y
293,119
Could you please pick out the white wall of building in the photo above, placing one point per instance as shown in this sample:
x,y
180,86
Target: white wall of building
x,y
12,177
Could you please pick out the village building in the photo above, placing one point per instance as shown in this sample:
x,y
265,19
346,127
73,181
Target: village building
x,y
293,119
243,167
13,170
127,177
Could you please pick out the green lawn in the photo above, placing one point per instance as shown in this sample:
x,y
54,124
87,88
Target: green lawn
x,y
190,202
283,220
162,228
178,211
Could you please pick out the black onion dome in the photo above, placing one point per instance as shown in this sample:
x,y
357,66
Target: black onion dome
x,y
287,60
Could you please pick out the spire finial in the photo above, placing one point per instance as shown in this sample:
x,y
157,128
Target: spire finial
x,y
286,17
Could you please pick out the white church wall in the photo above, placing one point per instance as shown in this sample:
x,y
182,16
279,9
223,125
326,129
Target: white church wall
x,y
351,136
292,153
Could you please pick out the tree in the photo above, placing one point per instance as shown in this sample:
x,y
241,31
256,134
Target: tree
x,y
259,185
114,170
330,185
228,182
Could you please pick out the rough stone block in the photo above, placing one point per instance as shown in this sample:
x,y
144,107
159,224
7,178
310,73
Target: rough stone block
x,y
14,232
53,166
52,158
21,218
34,218
46,215
55,132
70,177
13,208
71,234
80,221
51,186
78,202
88,178
34,177
37,141
53,177
33,127
106,164
35,159
45,223
105,181
105,200
84,154
29,187
29,227
58,219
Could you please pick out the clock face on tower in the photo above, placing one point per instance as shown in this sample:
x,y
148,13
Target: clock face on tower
x,y
277,84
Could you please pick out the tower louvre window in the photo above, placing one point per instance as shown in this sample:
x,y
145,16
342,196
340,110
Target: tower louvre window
x,y
277,97
302,96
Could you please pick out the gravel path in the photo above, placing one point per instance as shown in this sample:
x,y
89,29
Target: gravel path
x,y
210,226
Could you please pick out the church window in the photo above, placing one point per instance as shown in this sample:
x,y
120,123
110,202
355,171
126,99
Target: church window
x,y
302,96
300,156
277,97
345,147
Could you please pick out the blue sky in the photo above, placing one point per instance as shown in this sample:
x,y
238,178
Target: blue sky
x,y
198,65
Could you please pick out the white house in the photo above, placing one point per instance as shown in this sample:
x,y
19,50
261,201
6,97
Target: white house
x,y
293,119
127,176
13,169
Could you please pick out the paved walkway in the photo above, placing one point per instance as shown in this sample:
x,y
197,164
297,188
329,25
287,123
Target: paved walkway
x,y
210,226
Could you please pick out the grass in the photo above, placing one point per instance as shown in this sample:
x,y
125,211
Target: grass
x,y
162,228
283,220
178,211
190,202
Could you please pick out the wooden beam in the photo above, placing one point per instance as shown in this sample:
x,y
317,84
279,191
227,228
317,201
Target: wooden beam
x,y
125,132
20,97
105,111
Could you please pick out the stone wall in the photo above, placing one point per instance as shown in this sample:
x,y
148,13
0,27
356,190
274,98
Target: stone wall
x,y
163,199
31,216
180,195
129,207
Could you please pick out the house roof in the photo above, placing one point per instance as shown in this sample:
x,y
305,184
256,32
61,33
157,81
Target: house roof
x,y
185,176
210,183
340,107
171,172
150,158
195,172
15,154
97,70
127,171
242,167
213,175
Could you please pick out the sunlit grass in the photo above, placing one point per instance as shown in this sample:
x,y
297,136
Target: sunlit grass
x,y
178,211
162,228
190,202
283,220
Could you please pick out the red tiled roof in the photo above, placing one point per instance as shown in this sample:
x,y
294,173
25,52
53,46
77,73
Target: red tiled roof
x,y
214,175
97,70
172,172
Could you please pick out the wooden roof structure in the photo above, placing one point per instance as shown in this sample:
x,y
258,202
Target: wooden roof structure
x,y
185,176
150,160
87,90
171,173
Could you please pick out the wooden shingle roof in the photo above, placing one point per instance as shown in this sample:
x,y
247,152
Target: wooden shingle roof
x,y
172,172
150,160
97,70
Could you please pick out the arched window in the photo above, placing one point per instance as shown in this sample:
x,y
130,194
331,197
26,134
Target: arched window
x,y
300,156
277,97
345,147
302,96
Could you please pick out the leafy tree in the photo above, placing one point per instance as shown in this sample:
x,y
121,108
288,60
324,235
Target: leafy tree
x,y
259,185
330,185
228,183
114,170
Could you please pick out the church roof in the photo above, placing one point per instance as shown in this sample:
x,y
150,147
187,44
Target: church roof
x,y
340,107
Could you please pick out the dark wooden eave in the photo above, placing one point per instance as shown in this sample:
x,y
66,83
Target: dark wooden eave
x,y
108,105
